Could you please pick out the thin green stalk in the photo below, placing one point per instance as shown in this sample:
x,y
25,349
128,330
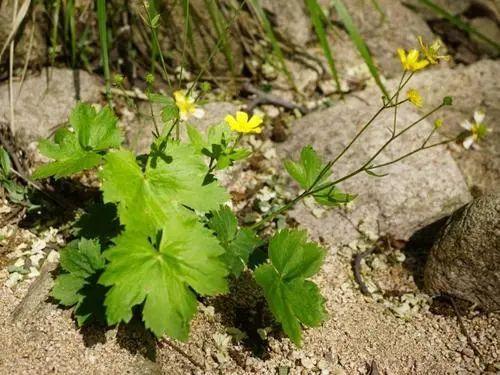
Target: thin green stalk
x,y
212,53
316,18
218,22
421,148
394,124
103,39
363,129
313,189
153,14
71,30
187,25
55,26
379,9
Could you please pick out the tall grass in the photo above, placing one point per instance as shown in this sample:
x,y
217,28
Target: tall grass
x,y
317,16
358,41
268,29
103,39
219,23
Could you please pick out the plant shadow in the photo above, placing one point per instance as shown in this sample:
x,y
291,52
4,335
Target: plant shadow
x,y
245,309
417,250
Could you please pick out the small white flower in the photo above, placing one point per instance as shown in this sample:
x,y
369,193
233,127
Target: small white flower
x,y
479,116
476,131
187,106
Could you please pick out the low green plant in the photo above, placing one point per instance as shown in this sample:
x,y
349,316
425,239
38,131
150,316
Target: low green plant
x,y
175,237
15,192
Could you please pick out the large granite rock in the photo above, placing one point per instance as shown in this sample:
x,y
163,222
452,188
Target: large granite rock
x,y
465,260
417,190
45,100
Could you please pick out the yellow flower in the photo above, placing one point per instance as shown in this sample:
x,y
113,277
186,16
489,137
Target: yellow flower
x,y
242,124
415,98
411,60
186,106
431,52
438,123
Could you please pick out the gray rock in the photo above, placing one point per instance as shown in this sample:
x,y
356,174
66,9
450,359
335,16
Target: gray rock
x,y
291,20
37,294
488,28
417,191
465,260
46,100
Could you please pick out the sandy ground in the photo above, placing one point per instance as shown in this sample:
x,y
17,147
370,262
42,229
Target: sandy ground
x,y
399,338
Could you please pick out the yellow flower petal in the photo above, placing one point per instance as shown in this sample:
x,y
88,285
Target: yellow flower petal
x,y
415,98
241,117
255,121
402,57
412,56
231,121
420,65
179,96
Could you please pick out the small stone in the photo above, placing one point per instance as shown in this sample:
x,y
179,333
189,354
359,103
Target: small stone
x,y
53,256
33,273
322,364
307,363
13,279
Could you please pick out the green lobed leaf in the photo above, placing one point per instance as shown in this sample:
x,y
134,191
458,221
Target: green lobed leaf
x,y
307,172
239,250
5,164
224,223
174,178
82,263
161,267
292,298
217,145
239,244
94,132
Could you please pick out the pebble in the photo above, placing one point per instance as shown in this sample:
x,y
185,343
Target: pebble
x,y
308,363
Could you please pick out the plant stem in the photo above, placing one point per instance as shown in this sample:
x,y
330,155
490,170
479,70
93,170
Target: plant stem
x,y
394,124
103,39
366,166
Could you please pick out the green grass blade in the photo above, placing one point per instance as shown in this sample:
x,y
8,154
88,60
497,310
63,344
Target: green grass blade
x,y
379,9
70,29
458,22
152,14
316,17
355,36
103,39
264,20
218,22
53,36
